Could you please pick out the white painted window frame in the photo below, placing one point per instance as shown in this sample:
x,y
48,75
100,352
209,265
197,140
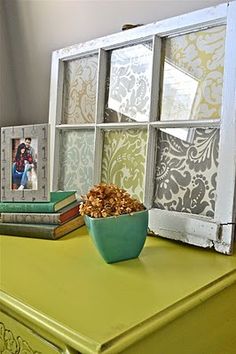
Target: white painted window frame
x,y
190,228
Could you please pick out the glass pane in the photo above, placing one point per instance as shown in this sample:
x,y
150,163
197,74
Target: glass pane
x,y
193,75
79,91
76,160
186,170
123,160
128,84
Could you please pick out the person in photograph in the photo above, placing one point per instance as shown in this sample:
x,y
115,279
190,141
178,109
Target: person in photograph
x,y
22,164
29,148
32,174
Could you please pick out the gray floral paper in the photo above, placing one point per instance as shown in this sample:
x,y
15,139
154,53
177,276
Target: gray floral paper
x,y
186,173
76,160
129,84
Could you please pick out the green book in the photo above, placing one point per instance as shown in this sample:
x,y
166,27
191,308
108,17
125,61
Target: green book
x,y
58,200
51,232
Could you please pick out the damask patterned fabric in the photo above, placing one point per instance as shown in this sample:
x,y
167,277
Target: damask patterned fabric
x,y
186,173
79,96
123,160
187,160
193,75
129,84
76,161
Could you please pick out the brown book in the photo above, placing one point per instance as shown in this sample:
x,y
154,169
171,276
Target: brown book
x,y
51,232
60,217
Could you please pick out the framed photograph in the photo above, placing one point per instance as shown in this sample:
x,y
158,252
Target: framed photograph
x,y
25,163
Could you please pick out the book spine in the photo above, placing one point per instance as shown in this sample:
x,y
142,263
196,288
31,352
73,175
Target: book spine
x,y
26,218
28,231
70,226
26,207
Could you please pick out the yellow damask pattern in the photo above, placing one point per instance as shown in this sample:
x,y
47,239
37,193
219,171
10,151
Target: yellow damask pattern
x,y
79,91
123,160
200,57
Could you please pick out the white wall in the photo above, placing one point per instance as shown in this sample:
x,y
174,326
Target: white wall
x,y
37,27
8,103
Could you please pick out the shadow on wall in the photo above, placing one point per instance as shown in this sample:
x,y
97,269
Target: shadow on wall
x,y
26,63
36,28
8,101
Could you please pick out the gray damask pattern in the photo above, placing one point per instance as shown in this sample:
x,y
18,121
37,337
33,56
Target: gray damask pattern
x,y
129,84
186,173
76,160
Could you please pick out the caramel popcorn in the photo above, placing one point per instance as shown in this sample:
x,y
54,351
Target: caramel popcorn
x,y
105,200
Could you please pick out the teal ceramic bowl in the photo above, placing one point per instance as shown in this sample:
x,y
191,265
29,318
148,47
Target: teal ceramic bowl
x,y
119,238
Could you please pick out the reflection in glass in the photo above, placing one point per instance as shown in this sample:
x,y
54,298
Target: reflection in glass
x,y
79,90
193,75
183,88
185,134
123,160
128,84
186,172
76,160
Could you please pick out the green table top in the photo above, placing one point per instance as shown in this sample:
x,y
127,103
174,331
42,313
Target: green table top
x,y
97,305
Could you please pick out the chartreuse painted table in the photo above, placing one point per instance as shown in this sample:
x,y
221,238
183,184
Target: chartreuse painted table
x,y
61,297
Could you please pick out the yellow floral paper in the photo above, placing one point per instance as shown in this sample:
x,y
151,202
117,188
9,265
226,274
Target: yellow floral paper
x,y
197,56
123,160
79,90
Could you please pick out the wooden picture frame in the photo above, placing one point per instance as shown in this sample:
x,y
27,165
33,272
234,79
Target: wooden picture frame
x,y
25,163
216,231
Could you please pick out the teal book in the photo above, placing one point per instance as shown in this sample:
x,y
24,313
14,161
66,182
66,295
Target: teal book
x,y
50,232
58,200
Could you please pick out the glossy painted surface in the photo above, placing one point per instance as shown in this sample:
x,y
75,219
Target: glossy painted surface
x,y
107,306
206,329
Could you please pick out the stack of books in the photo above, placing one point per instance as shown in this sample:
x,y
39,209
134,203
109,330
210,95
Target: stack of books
x,y
49,220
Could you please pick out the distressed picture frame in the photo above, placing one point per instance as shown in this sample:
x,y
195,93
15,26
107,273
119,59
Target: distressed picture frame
x,y
25,163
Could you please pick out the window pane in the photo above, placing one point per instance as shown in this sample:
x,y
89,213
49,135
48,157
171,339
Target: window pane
x,y
123,160
193,75
76,160
129,81
186,170
80,84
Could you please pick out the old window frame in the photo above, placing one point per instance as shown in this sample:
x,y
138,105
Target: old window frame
x,y
190,228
